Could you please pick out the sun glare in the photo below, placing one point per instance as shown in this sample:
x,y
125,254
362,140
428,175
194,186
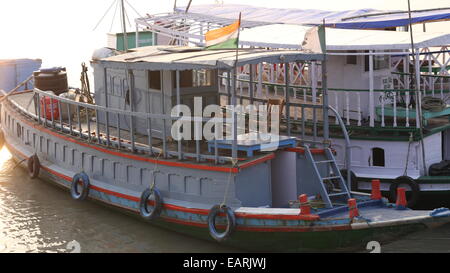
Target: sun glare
x,y
5,155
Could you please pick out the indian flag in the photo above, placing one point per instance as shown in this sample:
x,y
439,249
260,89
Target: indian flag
x,y
315,40
224,38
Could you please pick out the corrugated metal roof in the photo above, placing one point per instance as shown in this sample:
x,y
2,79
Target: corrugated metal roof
x,y
157,58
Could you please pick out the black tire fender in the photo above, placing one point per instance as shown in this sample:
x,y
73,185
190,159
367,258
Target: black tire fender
x,y
157,207
34,166
415,190
82,178
231,223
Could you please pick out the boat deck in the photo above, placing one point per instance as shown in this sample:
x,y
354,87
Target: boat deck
x,y
380,214
26,102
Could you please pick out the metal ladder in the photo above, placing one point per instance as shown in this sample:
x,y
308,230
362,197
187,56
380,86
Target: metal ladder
x,y
331,162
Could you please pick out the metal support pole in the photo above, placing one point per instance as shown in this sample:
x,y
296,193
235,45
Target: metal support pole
x,y
326,132
288,103
251,89
137,36
131,97
180,145
371,87
124,28
234,152
108,143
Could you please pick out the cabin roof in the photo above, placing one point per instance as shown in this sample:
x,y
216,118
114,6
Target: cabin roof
x,y
349,19
185,58
292,36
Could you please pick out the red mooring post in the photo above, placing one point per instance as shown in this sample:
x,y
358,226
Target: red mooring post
x,y
401,203
305,207
376,192
352,208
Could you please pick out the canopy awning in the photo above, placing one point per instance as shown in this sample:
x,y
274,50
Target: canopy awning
x,y
291,36
350,19
164,58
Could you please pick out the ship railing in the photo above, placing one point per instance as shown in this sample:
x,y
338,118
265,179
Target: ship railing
x,y
87,129
305,121
433,85
359,108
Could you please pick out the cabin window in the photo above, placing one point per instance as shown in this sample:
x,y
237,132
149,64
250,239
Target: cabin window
x,y
351,59
195,78
379,62
154,80
378,157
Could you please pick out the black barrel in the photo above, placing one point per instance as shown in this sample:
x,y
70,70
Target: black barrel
x,y
52,79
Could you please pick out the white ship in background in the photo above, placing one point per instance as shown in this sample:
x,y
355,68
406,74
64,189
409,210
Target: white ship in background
x,y
372,84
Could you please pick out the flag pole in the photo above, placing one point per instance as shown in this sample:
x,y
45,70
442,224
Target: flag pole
x,y
234,99
417,96
325,86
238,38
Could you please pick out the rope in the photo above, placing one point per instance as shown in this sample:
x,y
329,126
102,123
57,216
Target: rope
x,y
405,173
17,165
227,189
433,104
155,170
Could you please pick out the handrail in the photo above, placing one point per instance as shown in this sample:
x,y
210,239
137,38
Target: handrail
x,y
348,152
319,89
138,147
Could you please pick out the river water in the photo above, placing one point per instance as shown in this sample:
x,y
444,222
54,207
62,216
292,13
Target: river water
x,y
36,216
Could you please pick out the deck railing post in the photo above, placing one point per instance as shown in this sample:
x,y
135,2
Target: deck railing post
x,y
288,102
52,109
326,133
79,121
60,116
406,85
69,114
371,87
234,153
419,94
229,87
38,102
45,110
131,96
88,121
251,86
180,144
108,142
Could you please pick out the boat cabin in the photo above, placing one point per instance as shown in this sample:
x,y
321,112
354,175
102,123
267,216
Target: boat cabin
x,y
371,84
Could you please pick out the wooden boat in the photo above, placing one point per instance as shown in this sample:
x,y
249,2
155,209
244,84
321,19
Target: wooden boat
x,y
118,151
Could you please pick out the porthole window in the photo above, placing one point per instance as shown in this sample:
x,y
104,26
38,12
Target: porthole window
x,y
378,157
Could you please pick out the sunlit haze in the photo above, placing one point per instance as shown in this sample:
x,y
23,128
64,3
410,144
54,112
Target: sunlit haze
x,y
61,32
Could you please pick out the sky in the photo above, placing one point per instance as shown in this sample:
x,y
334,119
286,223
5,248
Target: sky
x,y
61,32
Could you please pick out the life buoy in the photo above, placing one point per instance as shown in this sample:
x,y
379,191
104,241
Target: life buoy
x,y
353,178
231,222
147,214
34,166
78,179
414,195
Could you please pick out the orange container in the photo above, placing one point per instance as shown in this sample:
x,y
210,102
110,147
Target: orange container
x,y
46,111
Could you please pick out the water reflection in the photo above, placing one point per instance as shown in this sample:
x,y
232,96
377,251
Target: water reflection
x,y
36,216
